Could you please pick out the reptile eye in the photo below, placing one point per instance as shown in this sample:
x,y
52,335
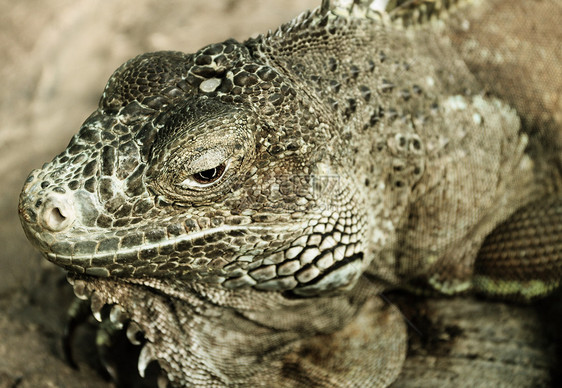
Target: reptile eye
x,y
205,178
209,176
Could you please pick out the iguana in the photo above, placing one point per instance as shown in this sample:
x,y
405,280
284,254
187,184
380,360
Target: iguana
x,y
241,208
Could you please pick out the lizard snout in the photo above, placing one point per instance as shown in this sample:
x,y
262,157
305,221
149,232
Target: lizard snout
x,y
44,206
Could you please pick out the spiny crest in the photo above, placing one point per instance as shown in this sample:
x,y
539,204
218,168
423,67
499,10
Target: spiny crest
x,y
331,10
410,13
405,12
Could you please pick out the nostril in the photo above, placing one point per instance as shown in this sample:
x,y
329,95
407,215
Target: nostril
x,y
55,216
57,213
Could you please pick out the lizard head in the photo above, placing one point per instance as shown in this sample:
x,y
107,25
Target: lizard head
x,y
186,171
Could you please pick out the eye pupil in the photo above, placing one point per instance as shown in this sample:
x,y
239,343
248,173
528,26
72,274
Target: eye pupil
x,y
210,175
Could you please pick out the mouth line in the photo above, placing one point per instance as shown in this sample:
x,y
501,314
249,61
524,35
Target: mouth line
x,y
112,255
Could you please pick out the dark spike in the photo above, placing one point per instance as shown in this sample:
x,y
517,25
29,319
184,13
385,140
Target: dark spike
x,y
325,7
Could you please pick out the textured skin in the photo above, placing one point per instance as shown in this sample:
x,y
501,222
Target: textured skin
x,y
353,154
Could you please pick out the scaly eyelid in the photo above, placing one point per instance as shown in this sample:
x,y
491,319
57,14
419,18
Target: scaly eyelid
x,y
207,160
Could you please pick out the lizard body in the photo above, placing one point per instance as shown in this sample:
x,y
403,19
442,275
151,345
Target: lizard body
x,y
243,206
